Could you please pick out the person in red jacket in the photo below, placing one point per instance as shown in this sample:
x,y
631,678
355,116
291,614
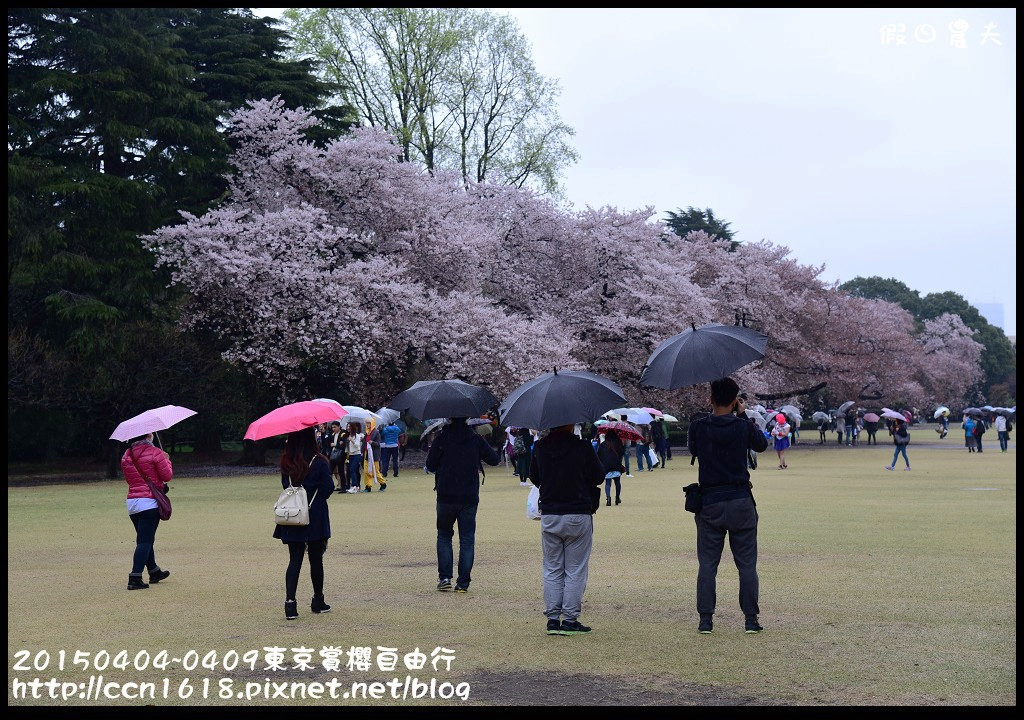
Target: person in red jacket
x,y
144,458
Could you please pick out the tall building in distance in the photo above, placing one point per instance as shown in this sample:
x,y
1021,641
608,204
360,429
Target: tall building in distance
x,y
993,312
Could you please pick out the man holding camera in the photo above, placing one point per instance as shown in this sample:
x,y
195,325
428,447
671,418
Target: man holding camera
x,y
720,442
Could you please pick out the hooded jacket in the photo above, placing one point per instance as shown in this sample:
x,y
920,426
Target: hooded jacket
x,y
455,459
720,444
567,471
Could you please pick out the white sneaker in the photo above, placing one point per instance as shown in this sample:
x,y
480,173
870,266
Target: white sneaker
x,y
523,484
629,474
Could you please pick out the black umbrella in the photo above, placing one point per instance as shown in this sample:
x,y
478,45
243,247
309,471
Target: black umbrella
x,y
443,399
560,398
702,354
972,411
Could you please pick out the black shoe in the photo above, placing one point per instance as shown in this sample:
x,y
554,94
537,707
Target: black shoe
x,y
291,610
555,628
462,588
706,626
574,627
135,583
155,577
608,503
444,585
752,626
318,605
618,501
383,487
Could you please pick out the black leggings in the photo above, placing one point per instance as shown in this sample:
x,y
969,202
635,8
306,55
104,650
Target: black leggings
x,y
296,550
145,523
608,486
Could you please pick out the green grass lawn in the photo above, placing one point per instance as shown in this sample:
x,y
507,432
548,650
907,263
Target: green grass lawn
x,y
877,588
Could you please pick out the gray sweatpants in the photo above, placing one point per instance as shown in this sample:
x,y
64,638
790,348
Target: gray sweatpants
x,y
566,541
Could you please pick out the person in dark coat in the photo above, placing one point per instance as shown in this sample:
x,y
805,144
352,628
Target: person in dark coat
x,y
303,464
610,453
720,442
456,458
569,475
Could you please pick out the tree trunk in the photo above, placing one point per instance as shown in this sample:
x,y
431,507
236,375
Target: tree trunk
x,y
207,438
253,453
114,460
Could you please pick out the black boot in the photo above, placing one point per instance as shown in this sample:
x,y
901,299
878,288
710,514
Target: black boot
x,y
318,605
157,575
291,610
135,582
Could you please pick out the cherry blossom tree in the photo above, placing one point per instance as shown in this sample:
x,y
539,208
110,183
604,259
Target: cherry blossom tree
x,y
346,267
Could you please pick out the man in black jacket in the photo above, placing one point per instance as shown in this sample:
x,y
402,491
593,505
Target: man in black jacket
x,y
455,459
569,475
720,443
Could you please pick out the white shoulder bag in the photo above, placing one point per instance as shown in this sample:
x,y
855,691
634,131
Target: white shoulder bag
x,y
292,507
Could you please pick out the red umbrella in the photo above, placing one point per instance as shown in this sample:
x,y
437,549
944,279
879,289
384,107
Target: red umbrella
x,y
295,416
625,431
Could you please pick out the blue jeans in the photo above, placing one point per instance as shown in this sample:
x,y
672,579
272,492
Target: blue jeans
x,y
895,455
1004,439
387,454
625,460
145,523
447,515
849,435
642,456
355,467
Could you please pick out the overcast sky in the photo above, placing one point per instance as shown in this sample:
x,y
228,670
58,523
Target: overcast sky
x,y
875,142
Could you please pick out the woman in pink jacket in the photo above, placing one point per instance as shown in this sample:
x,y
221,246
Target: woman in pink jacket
x,y
142,457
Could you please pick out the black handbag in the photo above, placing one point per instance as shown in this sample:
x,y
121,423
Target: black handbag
x,y
694,498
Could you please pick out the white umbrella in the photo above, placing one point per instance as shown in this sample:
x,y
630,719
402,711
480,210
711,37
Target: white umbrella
x,y
845,406
633,415
436,425
941,410
820,415
669,418
360,415
756,417
388,415
153,420
893,415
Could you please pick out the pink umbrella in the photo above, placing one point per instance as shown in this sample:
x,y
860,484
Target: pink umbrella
x,y
153,420
292,417
871,417
652,411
